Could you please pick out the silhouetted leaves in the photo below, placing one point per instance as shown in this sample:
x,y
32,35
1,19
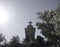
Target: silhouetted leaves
x,y
15,42
51,25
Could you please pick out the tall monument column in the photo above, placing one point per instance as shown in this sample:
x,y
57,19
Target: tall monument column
x,y
29,33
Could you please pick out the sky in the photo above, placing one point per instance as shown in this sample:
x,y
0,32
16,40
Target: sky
x,y
20,12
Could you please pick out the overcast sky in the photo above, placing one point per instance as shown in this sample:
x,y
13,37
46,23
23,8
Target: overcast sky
x,y
20,12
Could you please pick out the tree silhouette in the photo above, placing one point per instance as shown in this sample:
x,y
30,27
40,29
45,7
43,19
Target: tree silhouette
x,y
51,25
2,38
15,42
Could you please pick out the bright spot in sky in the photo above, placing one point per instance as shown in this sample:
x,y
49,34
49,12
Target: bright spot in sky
x,y
3,16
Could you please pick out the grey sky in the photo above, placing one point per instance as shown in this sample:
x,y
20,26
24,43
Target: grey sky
x,y
23,11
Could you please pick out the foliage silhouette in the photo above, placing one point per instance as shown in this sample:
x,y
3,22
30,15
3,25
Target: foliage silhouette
x,y
51,25
2,38
15,42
